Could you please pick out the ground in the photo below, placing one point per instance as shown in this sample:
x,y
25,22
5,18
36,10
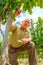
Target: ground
x,y
22,61
25,62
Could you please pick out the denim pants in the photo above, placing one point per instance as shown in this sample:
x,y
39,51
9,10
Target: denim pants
x,y
14,52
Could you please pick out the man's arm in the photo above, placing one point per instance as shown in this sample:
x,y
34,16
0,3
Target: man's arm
x,y
12,27
26,40
16,13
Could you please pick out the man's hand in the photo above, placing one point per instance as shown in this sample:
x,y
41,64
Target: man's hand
x,y
25,40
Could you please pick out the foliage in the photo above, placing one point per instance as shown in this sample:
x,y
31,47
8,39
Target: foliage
x,y
1,41
9,5
37,34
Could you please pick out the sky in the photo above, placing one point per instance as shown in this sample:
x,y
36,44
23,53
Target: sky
x,y
37,11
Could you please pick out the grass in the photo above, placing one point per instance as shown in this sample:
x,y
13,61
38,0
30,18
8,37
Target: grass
x,y
25,62
40,62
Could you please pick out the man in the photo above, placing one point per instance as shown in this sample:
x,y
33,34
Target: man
x,y
21,33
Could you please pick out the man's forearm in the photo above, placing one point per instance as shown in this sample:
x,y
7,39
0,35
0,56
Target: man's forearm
x,y
25,40
29,39
11,21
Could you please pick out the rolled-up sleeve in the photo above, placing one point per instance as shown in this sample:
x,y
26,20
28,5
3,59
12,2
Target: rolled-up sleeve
x,y
12,28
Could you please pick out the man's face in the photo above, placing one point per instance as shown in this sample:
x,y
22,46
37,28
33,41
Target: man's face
x,y
17,12
26,23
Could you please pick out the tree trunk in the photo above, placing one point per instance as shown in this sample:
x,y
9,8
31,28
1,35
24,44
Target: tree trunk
x,y
6,35
5,44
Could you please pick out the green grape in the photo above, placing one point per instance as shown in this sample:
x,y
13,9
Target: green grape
x,y
19,42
